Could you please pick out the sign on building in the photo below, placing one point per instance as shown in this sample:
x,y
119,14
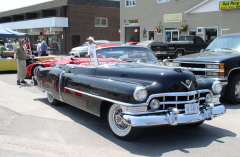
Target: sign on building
x,y
229,5
131,22
172,17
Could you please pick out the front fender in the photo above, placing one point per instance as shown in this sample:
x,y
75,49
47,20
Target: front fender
x,y
29,68
115,89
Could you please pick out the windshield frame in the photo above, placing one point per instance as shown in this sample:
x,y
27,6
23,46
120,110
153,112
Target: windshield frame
x,y
124,54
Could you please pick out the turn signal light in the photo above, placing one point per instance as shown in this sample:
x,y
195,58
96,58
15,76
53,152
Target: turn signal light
x,y
221,66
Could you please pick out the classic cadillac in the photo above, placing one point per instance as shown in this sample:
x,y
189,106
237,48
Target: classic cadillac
x,y
134,92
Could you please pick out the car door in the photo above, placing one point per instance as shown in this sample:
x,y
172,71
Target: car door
x,y
77,80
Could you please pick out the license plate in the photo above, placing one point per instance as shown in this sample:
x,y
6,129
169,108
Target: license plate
x,y
158,52
191,108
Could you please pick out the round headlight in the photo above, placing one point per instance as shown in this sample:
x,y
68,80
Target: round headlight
x,y
154,104
217,87
140,94
208,98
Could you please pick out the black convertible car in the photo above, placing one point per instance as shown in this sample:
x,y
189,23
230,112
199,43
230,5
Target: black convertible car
x,y
134,92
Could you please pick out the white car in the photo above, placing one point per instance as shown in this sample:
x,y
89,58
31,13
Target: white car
x,y
81,51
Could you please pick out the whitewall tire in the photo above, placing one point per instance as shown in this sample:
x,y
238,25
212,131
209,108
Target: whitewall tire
x,y
120,129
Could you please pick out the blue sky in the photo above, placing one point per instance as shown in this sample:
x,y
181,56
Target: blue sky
x,y
15,4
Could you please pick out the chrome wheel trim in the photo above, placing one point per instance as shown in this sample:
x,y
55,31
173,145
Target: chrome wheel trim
x,y
179,54
116,121
50,97
35,70
237,90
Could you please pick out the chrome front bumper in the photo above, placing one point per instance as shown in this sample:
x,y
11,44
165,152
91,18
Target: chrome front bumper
x,y
173,117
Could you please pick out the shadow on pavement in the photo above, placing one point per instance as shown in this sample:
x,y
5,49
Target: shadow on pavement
x,y
154,141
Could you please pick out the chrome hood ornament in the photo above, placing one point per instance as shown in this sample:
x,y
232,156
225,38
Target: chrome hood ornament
x,y
187,83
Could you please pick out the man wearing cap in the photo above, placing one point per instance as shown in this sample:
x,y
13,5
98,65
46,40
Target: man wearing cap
x,y
20,55
91,47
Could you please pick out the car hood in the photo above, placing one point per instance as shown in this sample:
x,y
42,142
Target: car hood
x,y
157,79
207,56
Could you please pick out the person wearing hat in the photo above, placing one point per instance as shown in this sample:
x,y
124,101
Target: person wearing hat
x,y
91,47
20,55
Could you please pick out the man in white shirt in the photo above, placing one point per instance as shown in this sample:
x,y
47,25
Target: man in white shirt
x,y
91,47
92,51
39,47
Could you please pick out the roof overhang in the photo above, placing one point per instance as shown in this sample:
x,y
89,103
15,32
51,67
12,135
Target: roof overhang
x,y
34,27
196,6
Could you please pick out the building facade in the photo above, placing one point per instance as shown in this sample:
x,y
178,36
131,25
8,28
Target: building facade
x,y
166,20
66,23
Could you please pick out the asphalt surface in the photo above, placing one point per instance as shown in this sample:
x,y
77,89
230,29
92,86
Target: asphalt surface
x,y
31,127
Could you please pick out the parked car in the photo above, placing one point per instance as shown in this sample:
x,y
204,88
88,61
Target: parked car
x,y
219,61
81,51
132,95
146,43
131,43
183,46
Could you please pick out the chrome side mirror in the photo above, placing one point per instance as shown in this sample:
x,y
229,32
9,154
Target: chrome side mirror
x,y
202,50
166,62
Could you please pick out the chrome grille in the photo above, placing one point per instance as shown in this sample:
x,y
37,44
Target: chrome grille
x,y
179,99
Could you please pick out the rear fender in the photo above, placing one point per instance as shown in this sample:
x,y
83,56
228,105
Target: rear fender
x,y
49,79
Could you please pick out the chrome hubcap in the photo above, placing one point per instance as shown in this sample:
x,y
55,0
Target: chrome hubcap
x,y
118,120
179,54
50,97
237,89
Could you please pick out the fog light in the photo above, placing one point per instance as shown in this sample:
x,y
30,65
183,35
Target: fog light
x,y
208,98
154,104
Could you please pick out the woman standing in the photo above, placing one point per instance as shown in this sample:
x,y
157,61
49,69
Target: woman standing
x,y
44,49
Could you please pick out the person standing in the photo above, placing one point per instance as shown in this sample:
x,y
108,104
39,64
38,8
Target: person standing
x,y
21,56
2,48
91,50
14,44
44,48
39,47
9,45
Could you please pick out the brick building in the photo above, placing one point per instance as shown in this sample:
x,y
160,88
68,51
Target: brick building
x,y
66,23
141,19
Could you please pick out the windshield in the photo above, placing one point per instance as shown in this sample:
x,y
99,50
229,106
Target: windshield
x,y
128,54
225,43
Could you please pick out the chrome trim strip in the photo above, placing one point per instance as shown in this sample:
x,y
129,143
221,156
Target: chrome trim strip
x,y
195,62
59,85
202,69
103,98
233,70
